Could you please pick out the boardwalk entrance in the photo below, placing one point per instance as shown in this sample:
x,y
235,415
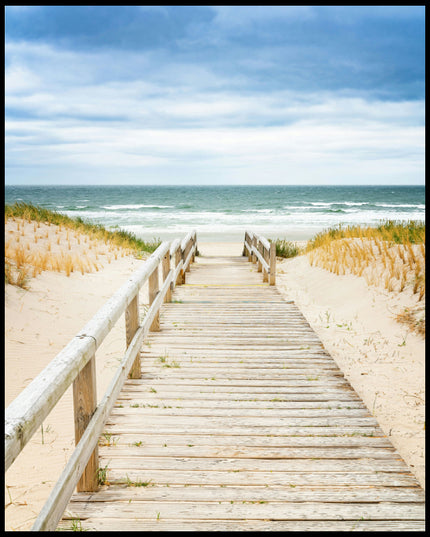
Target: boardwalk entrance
x,y
242,421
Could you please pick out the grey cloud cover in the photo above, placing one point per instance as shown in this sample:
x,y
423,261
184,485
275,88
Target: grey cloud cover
x,y
240,89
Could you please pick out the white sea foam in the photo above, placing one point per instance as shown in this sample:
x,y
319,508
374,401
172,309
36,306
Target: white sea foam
x,y
257,210
141,206
400,205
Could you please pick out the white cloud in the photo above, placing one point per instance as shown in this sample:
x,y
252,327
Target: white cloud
x,y
232,16
67,110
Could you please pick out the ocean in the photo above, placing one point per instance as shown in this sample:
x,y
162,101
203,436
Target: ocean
x,y
223,213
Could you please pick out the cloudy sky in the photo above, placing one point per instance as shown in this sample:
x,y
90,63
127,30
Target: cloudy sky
x,y
214,95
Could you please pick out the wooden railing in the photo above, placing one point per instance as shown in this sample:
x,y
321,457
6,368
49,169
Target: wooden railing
x,y
76,363
259,250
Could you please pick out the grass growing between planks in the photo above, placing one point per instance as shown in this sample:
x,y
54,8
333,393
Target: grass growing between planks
x,y
38,239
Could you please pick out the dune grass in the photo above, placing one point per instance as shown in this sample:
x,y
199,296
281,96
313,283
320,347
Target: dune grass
x,y
121,238
286,249
29,246
391,231
391,254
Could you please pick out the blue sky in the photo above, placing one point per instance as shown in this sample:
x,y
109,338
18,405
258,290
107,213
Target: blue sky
x,y
214,95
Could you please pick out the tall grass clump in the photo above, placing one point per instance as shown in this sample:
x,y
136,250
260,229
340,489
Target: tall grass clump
x,y
391,254
286,248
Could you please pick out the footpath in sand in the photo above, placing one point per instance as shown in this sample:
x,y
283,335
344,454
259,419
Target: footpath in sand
x,y
382,360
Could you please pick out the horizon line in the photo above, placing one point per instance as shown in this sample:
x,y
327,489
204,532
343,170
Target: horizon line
x,y
211,185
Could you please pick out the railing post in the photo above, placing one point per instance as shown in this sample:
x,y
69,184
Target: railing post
x,y
187,251
259,248
244,241
166,270
249,253
131,325
178,257
183,255
84,404
152,291
254,244
266,255
193,243
272,279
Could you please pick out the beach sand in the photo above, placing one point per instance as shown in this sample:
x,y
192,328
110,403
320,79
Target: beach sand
x,y
381,359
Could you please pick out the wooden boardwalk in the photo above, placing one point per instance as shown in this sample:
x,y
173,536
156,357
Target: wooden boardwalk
x,y
242,421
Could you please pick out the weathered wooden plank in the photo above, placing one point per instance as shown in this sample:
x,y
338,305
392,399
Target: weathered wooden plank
x,y
311,356
270,394
295,366
236,452
273,377
160,524
150,409
226,440
257,511
244,478
244,387
257,465
152,397
121,416
277,494
118,427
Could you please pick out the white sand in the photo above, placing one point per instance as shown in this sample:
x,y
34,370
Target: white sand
x,y
220,248
383,362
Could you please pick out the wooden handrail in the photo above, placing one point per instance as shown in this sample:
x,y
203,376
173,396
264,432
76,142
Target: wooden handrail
x,y
75,363
259,250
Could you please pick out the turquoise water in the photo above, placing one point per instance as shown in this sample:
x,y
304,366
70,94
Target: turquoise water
x,y
223,213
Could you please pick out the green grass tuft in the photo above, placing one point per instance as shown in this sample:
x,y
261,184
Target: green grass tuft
x,y
286,248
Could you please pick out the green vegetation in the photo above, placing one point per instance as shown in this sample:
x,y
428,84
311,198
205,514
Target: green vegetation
x,y
286,248
102,475
123,239
393,231
139,483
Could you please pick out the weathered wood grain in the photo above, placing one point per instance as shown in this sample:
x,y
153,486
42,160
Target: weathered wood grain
x,y
84,406
158,523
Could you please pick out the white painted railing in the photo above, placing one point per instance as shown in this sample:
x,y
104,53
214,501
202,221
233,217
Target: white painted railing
x,y
259,250
76,363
